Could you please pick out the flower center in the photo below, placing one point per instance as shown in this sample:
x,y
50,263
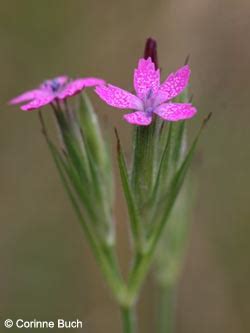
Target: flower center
x,y
149,109
52,85
149,102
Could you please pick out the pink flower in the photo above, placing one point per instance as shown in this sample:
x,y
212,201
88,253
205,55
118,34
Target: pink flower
x,y
58,88
151,96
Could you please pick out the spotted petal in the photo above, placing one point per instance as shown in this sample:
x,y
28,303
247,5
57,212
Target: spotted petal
x,y
77,86
138,118
118,97
146,78
27,96
175,111
92,81
174,84
38,102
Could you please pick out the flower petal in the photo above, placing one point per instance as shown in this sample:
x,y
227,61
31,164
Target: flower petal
x,y
27,96
61,79
92,81
38,102
118,97
146,78
138,118
175,111
77,86
174,84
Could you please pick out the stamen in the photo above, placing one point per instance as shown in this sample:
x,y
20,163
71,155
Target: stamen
x,y
54,85
150,93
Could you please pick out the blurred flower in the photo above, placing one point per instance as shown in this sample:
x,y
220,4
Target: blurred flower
x,y
59,88
151,96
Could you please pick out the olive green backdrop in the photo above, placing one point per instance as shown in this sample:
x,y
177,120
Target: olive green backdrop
x,y
46,268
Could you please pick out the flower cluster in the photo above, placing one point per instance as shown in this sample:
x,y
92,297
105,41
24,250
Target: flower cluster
x,y
151,180
151,98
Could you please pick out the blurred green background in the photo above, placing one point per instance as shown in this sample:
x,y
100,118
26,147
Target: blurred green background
x,y
47,270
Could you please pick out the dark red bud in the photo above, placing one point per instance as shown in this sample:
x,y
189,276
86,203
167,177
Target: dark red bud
x,y
151,51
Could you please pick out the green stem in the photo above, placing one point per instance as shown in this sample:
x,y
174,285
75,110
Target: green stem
x,y
143,162
137,275
128,319
167,309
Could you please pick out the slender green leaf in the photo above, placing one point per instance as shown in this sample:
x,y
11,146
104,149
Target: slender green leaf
x,y
91,130
97,148
104,258
136,226
175,186
141,266
101,199
74,144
